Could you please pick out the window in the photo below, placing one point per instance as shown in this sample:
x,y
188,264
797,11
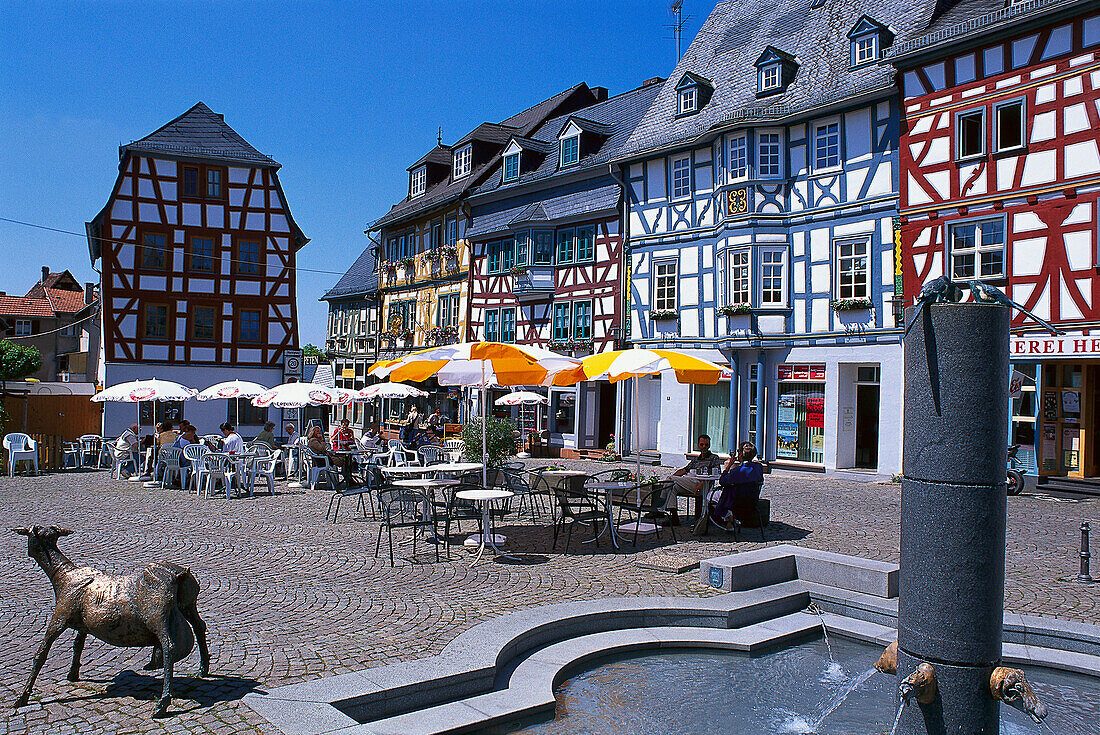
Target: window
x,y
570,150
739,157
567,251
241,412
711,414
418,181
970,133
249,327
447,313
436,237
852,269
511,167
156,321
507,325
582,319
738,291
560,327
865,49
772,280
664,285
770,77
507,255
681,177
464,158
585,236
23,327
202,254
202,323
492,325
768,153
451,236
827,145
543,252
1009,130
402,315
154,253
214,183
523,248
689,100
248,257
978,249
190,182
495,259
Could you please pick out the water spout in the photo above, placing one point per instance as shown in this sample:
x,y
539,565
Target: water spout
x,y
888,661
897,717
920,685
1011,687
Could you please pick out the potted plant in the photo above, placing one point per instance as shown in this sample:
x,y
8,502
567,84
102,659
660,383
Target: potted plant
x,y
518,270
409,264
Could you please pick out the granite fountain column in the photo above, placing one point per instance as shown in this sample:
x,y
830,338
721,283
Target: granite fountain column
x,y
953,514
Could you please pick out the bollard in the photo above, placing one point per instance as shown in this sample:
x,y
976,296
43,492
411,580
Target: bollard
x,y
1084,577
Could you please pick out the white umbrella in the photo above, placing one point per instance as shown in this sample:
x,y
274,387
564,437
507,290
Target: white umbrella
x,y
137,391
389,390
296,395
231,389
521,398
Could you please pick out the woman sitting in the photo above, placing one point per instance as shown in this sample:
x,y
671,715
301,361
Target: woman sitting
x,y
741,481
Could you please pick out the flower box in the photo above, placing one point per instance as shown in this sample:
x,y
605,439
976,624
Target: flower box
x,y
729,310
850,304
663,315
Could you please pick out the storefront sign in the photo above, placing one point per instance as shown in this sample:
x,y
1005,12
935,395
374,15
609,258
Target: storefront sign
x,y
815,412
788,371
1069,345
1016,384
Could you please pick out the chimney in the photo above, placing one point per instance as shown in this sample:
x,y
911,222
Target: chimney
x,y
89,293
651,81
600,92
45,274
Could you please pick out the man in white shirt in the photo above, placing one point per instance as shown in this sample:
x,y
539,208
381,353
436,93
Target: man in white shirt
x,y
233,443
292,455
128,442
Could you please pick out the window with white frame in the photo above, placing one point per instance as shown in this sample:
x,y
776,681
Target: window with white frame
x,y
770,77
769,154
585,238
1008,126
738,281
542,247
865,49
567,246
852,269
561,321
970,133
977,249
511,167
508,325
826,145
418,181
773,281
23,327
681,177
664,285
450,237
739,157
523,248
570,150
689,100
464,158
492,325
446,314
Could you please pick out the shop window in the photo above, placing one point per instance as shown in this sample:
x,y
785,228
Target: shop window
x,y
154,412
800,421
1024,407
711,415
754,395
563,412
241,412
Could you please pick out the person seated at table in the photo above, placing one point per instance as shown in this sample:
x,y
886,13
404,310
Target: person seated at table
x,y
707,462
128,442
188,436
267,436
166,434
343,438
233,443
372,434
315,442
435,423
740,484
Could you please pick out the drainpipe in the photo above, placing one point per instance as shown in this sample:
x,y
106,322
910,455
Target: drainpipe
x,y
761,406
624,265
735,410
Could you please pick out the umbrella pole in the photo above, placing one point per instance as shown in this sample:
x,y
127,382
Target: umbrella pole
x,y
484,444
637,447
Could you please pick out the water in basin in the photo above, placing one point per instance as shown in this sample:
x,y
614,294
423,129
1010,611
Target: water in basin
x,y
698,692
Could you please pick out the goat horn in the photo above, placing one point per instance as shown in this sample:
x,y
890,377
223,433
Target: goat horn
x,y
22,531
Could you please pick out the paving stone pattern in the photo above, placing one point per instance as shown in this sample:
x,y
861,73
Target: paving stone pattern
x,y
289,597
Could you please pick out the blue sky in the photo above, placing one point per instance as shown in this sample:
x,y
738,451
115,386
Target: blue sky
x,y
344,95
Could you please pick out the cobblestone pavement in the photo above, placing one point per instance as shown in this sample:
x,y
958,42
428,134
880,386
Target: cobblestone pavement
x,y
289,597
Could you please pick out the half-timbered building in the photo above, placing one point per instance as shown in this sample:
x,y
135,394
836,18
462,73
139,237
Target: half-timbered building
x,y
1000,183
546,255
762,191
422,251
197,251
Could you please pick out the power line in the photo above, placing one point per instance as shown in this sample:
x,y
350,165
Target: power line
x,y
52,331
134,244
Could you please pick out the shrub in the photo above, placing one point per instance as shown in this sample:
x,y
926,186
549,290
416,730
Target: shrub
x,y
500,440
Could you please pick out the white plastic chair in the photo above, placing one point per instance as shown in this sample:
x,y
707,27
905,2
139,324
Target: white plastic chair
x,y
21,448
263,467
320,467
91,450
194,454
214,467
455,448
70,451
120,457
430,454
170,462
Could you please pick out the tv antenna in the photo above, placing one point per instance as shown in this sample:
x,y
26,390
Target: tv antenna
x,y
676,8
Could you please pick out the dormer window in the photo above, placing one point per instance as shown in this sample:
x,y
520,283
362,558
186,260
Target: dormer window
x,y
869,38
865,49
464,157
418,181
770,77
775,70
689,100
570,150
692,93
511,166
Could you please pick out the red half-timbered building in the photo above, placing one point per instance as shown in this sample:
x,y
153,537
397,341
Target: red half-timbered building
x,y
197,248
546,264
1000,180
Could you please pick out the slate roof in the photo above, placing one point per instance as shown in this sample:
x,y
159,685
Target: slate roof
x,y
447,191
439,154
573,205
733,38
200,133
615,117
361,278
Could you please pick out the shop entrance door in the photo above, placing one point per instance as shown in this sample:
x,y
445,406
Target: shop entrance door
x,y
867,399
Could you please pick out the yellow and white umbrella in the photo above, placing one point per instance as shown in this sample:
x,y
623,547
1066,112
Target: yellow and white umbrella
x,y
482,364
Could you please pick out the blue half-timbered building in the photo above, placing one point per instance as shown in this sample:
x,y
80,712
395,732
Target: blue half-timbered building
x,y
762,189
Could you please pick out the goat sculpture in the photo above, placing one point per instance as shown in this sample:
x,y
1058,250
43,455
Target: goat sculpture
x,y
154,607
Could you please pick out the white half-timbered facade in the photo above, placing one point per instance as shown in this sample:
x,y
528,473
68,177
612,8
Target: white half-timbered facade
x,y
197,252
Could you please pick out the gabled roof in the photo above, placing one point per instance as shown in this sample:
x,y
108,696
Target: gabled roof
x,y
735,36
771,53
588,126
530,144
488,133
866,24
21,306
691,80
361,278
200,133
441,154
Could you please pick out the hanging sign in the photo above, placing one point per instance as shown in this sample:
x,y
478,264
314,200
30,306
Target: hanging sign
x,y
1016,384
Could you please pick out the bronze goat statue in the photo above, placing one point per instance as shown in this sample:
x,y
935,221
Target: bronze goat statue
x,y
154,607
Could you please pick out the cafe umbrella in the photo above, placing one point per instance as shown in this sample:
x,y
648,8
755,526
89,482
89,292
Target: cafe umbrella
x,y
297,395
136,391
521,398
389,390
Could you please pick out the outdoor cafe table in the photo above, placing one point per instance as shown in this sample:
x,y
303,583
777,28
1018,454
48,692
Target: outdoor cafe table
x,y
608,488
426,483
408,469
345,456
485,498
455,467
708,480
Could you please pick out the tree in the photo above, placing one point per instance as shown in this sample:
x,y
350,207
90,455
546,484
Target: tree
x,y
312,350
16,362
500,440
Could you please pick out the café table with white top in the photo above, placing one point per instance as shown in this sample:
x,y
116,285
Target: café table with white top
x,y
409,470
708,479
485,499
608,488
455,467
